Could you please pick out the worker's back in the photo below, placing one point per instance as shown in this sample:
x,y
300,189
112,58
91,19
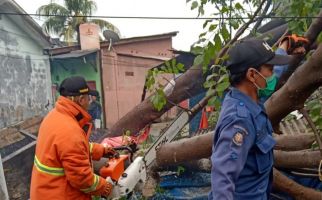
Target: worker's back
x,y
58,134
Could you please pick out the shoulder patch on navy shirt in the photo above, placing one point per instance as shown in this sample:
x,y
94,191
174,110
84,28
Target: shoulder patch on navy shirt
x,y
238,138
241,110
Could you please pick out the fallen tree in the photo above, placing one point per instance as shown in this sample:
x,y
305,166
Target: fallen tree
x,y
184,88
291,96
294,142
295,190
175,153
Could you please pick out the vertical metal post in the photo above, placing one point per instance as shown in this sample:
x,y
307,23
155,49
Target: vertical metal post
x,y
3,186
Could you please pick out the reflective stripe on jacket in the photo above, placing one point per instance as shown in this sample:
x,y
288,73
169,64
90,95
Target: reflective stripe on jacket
x,y
62,165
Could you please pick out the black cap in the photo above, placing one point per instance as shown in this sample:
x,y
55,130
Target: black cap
x,y
253,53
74,86
94,93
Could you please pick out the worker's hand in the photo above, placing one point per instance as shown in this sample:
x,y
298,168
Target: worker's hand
x,y
109,187
109,180
294,44
109,152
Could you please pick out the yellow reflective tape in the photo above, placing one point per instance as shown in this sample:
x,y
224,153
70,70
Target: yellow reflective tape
x,y
83,90
91,145
93,186
55,171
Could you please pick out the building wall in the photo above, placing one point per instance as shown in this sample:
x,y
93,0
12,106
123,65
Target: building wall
x,y
25,75
61,69
124,75
159,47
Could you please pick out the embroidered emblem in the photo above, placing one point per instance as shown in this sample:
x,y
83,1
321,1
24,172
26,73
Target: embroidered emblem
x,y
238,138
267,46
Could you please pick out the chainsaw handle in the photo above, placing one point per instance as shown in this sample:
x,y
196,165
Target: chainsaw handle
x,y
132,148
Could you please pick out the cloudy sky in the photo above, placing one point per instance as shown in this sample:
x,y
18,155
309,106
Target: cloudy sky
x,y
188,29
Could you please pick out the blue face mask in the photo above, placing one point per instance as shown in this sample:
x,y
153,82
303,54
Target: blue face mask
x,y
271,83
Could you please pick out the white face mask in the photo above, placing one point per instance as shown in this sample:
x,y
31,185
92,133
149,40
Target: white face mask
x,y
257,86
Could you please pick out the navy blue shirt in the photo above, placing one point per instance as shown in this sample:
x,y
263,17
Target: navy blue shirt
x,y
242,153
95,110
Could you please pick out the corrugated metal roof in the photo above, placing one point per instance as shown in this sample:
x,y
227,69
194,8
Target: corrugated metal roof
x,y
75,54
295,127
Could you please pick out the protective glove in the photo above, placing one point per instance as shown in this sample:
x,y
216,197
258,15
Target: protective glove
x,y
109,152
109,187
294,41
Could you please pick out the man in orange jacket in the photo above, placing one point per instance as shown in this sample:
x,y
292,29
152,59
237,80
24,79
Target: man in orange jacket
x,y
63,158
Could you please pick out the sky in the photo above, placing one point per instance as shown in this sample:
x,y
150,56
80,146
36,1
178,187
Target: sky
x,y
189,30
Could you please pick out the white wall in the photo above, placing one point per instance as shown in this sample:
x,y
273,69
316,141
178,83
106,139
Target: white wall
x,y
25,83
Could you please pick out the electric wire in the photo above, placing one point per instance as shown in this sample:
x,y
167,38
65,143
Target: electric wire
x,y
158,17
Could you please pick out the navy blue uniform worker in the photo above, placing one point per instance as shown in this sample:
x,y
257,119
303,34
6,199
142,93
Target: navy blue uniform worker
x,y
242,154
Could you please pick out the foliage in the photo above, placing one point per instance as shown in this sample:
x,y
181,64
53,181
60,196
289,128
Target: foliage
x,y
314,107
298,8
66,24
169,67
229,16
159,190
180,170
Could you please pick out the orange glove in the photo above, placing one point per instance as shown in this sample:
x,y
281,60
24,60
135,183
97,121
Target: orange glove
x,y
109,152
294,41
108,189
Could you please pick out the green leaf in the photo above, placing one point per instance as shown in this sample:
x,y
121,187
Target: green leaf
x,y
234,23
221,87
212,27
224,10
167,63
197,50
223,78
198,60
180,170
238,6
163,68
194,5
224,32
173,62
180,66
209,84
158,99
218,43
319,39
215,101
202,34
201,11
206,23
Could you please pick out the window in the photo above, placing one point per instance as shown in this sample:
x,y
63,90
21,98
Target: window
x,y
129,73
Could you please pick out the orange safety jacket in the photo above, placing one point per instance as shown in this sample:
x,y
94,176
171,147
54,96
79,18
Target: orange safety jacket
x,y
63,158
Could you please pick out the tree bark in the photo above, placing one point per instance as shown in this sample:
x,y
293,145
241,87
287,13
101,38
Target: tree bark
x,y
303,82
295,190
293,142
296,159
176,153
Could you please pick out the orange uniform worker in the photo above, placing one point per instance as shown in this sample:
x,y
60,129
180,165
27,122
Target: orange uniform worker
x,y
63,158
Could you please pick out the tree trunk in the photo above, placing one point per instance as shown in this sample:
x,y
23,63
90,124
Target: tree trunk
x,y
176,152
301,84
295,190
144,113
296,159
293,142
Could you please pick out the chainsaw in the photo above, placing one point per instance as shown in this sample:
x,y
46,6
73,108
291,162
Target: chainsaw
x,y
127,178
